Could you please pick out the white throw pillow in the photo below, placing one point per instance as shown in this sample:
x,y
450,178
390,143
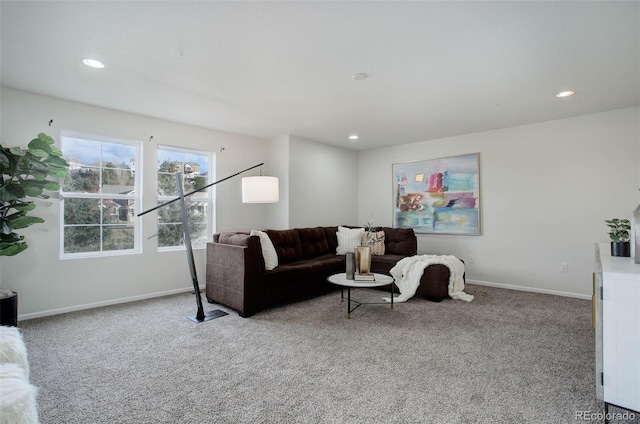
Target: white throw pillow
x,y
348,239
268,251
342,229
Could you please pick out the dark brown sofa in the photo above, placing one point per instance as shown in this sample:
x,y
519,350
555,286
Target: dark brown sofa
x,y
237,278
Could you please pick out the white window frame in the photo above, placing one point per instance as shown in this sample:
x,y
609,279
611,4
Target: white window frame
x,y
210,196
136,197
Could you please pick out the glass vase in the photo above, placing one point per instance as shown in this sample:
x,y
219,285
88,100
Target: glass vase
x,y
350,265
363,259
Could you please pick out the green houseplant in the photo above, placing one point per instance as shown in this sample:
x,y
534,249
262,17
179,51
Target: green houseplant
x,y
25,173
619,232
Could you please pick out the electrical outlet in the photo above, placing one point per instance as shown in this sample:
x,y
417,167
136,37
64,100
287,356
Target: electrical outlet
x,y
564,267
471,259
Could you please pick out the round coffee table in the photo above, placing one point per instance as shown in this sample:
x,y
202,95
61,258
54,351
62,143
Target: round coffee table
x,y
342,281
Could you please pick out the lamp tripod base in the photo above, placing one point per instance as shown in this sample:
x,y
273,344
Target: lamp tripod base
x,y
208,316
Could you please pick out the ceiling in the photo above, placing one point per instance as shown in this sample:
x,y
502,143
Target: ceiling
x,y
263,69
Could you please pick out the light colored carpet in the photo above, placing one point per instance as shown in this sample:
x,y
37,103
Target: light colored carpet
x,y
505,357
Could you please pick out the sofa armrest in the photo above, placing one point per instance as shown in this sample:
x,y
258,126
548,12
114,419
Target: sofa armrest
x,y
234,267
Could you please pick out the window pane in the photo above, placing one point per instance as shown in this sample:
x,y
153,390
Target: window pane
x,y
117,211
81,211
170,235
190,182
81,180
170,213
169,156
198,233
117,181
198,162
118,237
81,152
81,239
118,155
194,183
170,224
167,184
94,219
197,211
195,168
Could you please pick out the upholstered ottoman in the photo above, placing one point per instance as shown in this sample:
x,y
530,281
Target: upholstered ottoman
x,y
434,284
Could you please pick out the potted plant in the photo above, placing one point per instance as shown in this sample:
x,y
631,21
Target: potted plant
x,y
619,230
25,173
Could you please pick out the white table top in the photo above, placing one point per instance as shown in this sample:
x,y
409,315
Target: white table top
x,y
341,280
615,264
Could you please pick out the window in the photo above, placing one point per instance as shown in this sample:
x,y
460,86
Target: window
x,y
194,167
100,196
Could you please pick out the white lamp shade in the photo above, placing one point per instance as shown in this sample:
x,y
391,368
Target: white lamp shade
x,y
260,190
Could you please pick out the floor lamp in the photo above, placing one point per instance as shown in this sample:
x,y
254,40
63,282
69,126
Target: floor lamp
x,y
254,190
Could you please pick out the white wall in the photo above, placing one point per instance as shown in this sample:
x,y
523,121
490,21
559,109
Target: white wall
x,y
323,188
278,166
546,189
47,284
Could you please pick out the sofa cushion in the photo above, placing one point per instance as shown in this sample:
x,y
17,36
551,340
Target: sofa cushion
x,y
287,245
400,241
383,264
313,242
305,270
332,239
230,237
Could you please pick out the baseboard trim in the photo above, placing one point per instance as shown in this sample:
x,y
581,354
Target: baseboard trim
x,y
529,289
50,312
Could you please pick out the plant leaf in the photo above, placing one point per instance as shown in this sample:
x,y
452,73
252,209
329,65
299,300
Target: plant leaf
x,y
15,215
39,153
35,164
11,191
55,160
17,151
25,207
25,221
6,227
4,159
56,151
39,144
32,191
46,138
13,249
10,238
57,171
52,185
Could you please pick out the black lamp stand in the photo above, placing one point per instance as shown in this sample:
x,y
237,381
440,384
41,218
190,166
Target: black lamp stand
x,y
200,315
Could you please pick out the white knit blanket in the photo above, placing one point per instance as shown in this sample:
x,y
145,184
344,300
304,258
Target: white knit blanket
x,y
408,271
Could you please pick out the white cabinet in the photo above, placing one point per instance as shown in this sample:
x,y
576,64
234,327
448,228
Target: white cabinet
x,y
617,329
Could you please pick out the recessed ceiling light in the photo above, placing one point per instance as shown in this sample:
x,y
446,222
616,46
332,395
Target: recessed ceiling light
x,y
565,93
93,63
353,137
359,76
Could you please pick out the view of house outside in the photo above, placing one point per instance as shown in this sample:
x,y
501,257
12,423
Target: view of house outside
x,y
194,167
99,196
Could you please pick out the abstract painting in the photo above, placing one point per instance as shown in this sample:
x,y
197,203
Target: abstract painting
x,y
438,196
